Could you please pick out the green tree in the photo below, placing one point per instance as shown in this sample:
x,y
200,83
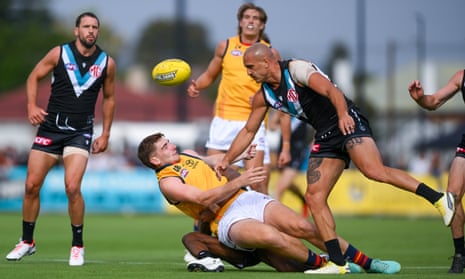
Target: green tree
x,y
27,30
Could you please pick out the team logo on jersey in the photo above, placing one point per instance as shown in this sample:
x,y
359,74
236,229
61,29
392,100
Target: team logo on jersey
x,y
70,66
95,71
277,105
236,52
176,168
183,173
316,147
190,163
43,141
292,95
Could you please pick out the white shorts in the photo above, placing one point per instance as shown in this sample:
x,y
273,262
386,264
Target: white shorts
x,y
222,133
249,205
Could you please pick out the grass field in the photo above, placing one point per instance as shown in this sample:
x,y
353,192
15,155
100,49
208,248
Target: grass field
x,y
149,246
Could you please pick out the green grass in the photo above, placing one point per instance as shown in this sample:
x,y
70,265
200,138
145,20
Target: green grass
x,y
149,246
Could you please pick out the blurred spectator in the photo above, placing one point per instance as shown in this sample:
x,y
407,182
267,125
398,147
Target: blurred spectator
x,y
420,164
6,162
108,160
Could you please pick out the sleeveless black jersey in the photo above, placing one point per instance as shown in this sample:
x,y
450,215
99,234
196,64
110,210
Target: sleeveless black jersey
x,y
76,82
302,102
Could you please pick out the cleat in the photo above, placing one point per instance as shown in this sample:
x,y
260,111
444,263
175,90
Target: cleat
x,y
458,262
207,264
21,249
446,207
385,267
330,268
76,256
354,268
188,257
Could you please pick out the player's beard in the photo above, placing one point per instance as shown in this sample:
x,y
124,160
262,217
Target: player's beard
x,y
87,44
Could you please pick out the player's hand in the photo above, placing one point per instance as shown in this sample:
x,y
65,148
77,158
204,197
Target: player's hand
x,y
346,124
192,90
250,153
252,176
284,158
99,145
416,90
220,168
36,115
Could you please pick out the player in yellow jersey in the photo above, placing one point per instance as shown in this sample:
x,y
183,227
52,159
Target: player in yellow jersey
x,y
240,218
236,88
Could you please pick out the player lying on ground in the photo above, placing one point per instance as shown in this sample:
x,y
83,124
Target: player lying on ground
x,y
244,219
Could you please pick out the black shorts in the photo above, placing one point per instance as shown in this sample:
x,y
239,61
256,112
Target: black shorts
x,y
52,137
331,143
460,150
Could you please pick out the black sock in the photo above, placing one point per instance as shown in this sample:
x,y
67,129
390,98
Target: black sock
x,y
77,235
334,252
28,232
459,246
204,254
428,193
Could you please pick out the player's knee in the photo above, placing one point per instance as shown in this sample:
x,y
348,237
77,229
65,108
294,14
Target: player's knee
x,y
314,199
73,191
188,238
305,229
376,174
269,238
32,189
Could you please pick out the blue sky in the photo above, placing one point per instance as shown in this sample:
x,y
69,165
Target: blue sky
x,y
305,28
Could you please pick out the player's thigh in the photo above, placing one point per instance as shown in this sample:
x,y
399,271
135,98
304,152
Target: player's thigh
x,y
287,220
249,233
75,164
456,179
322,175
38,165
365,155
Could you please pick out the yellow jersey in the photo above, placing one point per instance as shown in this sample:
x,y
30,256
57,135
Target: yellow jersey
x,y
236,88
195,172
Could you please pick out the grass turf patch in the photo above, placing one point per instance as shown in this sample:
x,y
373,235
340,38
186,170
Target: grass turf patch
x,y
149,246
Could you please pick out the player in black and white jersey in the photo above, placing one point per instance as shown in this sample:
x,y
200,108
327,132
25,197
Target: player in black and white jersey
x,y
80,69
342,135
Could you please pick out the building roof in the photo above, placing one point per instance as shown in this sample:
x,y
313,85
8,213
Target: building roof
x,y
157,104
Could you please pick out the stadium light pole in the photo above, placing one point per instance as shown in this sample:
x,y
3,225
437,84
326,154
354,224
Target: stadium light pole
x,y
361,52
421,56
421,44
181,50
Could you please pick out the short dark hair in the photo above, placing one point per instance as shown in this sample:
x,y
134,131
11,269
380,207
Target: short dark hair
x,y
90,14
147,147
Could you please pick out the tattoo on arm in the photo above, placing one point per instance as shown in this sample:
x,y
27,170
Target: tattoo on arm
x,y
313,174
353,142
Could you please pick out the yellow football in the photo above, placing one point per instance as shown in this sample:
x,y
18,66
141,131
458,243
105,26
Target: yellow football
x,y
170,72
